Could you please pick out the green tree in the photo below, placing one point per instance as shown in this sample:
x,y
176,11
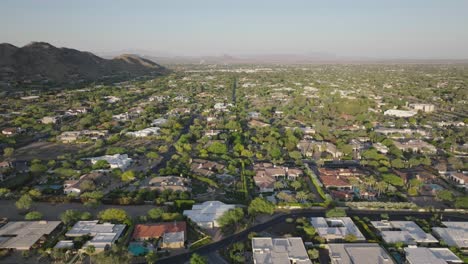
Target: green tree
x,y
128,176
445,195
217,148
151,257
35,193
24,202
101,165
152,155
393,179
231,217
350,238
313,253
296,185
8,152
462,202
34,215
260,206
114,215
336,212
70,216
38,168
197,259
302,196
155,213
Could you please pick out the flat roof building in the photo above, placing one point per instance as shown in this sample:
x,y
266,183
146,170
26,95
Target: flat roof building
x,y
22,235
267,250
103,234
336,228
455,234
207,213
422,255
407,232
358,253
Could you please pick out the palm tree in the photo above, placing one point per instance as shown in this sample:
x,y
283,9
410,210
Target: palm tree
x,y
278,185
381,187
296,185
302,196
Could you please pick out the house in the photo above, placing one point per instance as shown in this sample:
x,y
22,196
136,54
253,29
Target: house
x,y
454,234
257,123
50,120
380,147
407,232
103,235
339,179
11,131
23,235
72,136
212,132
358,253
77,111
117,161
460,179
205,167
268,250
415,145
266,174
159,122
398,133
254,115
423,107
74,186
144,132
121,117
310,147
173,234
206,214
400,113
423,255
223,107
336,228
173,183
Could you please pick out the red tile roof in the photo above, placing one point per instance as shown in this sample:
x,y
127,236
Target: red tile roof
x,y
144,231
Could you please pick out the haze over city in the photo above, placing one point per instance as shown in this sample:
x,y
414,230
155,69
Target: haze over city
x,y
358,29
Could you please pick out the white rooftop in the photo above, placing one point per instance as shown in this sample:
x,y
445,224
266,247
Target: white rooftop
x,y
208,211
454,234
103,234
422,255
358,253
64,244
174,237
22,235
119,161
407,232
267,250
336,228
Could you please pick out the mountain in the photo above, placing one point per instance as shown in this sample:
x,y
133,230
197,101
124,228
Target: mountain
x,y
40,62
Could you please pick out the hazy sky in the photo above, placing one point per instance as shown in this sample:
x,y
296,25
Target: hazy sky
x,y
369,28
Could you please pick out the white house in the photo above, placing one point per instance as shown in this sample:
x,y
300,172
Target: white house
x,y
206,214
400,113
117,161
144,132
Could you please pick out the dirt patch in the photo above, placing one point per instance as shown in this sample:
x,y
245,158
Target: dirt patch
x,y
46,150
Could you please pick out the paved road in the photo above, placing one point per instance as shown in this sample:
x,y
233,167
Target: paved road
x,y
213,247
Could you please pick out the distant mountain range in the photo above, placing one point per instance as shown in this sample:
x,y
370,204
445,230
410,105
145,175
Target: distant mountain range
x,y
40,62
278,58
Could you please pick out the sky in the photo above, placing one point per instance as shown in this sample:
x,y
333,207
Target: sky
x,y
423,29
